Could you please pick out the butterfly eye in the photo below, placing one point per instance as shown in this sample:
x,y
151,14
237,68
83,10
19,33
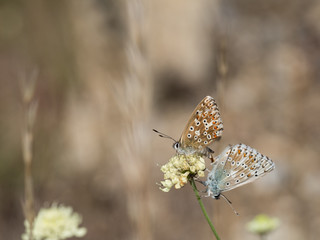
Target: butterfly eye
x,y
176,145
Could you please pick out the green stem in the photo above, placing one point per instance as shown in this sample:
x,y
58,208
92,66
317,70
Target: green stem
x,y
263,236
194,187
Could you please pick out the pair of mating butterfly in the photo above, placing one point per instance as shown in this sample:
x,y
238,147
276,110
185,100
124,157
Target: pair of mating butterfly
x,y
235,166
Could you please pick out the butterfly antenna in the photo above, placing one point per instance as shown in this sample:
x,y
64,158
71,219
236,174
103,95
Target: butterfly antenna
x,y
164,135
230,204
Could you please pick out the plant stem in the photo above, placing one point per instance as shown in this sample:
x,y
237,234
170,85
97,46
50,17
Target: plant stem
x,y
194,187
263,236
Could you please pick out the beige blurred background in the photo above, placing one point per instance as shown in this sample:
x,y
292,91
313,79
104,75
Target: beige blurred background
x,y
109,71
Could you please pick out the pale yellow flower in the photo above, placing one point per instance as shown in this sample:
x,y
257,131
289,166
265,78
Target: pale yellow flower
x,y
179,168
262,224
55,223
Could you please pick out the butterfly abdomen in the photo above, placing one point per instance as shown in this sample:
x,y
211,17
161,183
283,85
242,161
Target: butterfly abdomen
x,y
203,152
212,185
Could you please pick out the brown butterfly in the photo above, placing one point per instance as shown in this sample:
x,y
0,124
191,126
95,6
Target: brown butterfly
x,y
203,128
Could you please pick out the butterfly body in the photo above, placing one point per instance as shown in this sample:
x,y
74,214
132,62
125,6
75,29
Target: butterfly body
x,y
188,150
235,166
203,128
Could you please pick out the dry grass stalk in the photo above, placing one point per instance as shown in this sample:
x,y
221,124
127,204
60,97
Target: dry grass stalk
x,y
133,95
30,110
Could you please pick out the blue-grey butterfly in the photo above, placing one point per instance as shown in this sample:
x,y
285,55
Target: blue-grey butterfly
x,y
235,166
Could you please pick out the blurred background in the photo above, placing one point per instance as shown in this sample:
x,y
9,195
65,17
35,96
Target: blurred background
x,y
109,71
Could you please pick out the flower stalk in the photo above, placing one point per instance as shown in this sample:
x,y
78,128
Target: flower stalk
x,y
194,187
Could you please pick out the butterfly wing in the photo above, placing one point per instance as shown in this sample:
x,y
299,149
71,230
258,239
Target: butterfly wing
x,y
204,126
238,165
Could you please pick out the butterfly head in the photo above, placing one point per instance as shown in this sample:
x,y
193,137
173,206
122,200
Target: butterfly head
x,y
217,196
176,146
180,150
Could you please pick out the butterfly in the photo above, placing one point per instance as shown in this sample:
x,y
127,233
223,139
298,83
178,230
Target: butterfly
x,y
235,166
203,128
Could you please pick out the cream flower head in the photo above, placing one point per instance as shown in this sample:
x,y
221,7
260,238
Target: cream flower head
x,y
262,224
179,168
55,223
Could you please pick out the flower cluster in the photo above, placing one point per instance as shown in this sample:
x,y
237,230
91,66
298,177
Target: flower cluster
x,y
179,168
55,223
262,224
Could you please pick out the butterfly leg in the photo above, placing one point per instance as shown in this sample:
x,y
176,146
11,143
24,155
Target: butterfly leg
x,y
202,191
202,182
209,154
206,195
209,150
